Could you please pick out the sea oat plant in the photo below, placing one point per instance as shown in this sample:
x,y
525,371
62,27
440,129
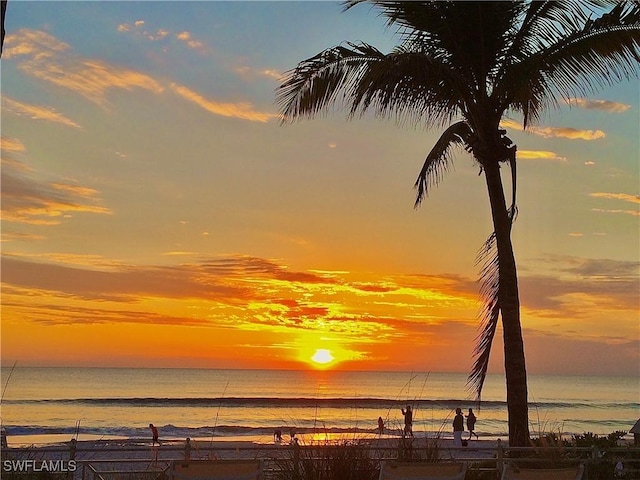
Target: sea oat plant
x,y
345,460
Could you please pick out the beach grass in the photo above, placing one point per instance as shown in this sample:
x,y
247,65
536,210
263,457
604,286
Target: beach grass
x,y
345,460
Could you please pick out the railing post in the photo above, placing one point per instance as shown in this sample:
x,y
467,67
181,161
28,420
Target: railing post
x,y
296,457
73,444
499,458
595,458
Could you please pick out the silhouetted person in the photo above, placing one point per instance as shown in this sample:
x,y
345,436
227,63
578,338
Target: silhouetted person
x,y
471,423
187,449
380,426
154,435
408,421
458,428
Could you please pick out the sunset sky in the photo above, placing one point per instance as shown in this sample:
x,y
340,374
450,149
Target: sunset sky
x,y
156,213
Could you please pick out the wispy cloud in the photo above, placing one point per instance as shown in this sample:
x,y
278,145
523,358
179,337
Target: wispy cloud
x,y
556,132
139,29
603,105
42,56
617,196
12,145
242,110
19,236
574,282
625,197
230,286
568,132
50,314
246,71
634,213
36,112
26,199
540,155
190,42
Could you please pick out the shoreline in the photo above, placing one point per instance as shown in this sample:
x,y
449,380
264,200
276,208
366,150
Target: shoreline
x,y
62,440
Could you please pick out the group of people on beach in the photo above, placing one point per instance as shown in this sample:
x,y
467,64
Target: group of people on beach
x,y
458,425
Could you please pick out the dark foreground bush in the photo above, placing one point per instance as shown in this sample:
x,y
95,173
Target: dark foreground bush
x,y
343,461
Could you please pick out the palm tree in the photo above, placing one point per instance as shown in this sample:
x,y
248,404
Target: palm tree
x,y
3,6
467,65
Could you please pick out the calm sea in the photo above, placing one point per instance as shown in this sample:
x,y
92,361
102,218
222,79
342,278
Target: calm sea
x,y
212,404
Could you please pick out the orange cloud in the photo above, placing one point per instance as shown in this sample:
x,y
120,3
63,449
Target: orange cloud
x,y
625,197
634,213
138,30
35,112
395,321
27,200
603,105
251,72
12,145
243,110
44,57
18,236
568,132
540,155
186,38
32,43
552,132
617,196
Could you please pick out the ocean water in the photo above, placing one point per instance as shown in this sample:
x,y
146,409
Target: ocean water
x,y
213,404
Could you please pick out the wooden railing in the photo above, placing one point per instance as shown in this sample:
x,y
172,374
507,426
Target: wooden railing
x,y
140,462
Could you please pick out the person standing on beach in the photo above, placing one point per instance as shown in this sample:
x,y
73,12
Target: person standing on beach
x,y
471,423
187,449
408,421
154,435
380,426
458,428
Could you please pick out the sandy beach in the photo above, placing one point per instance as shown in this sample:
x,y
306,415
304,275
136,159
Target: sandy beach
x,y
92,449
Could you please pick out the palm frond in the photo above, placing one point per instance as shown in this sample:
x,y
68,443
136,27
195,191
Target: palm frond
x,y
604,52
407,83
426,16
412,85
575,56
487,259
316,82
438,159
468,35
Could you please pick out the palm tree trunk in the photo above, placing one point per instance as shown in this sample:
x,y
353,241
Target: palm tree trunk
x,y
514,360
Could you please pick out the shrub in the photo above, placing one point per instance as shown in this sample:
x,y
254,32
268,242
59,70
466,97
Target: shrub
x,y
341,461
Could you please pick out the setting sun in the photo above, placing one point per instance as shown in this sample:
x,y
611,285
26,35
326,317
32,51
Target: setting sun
x,y
322,356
